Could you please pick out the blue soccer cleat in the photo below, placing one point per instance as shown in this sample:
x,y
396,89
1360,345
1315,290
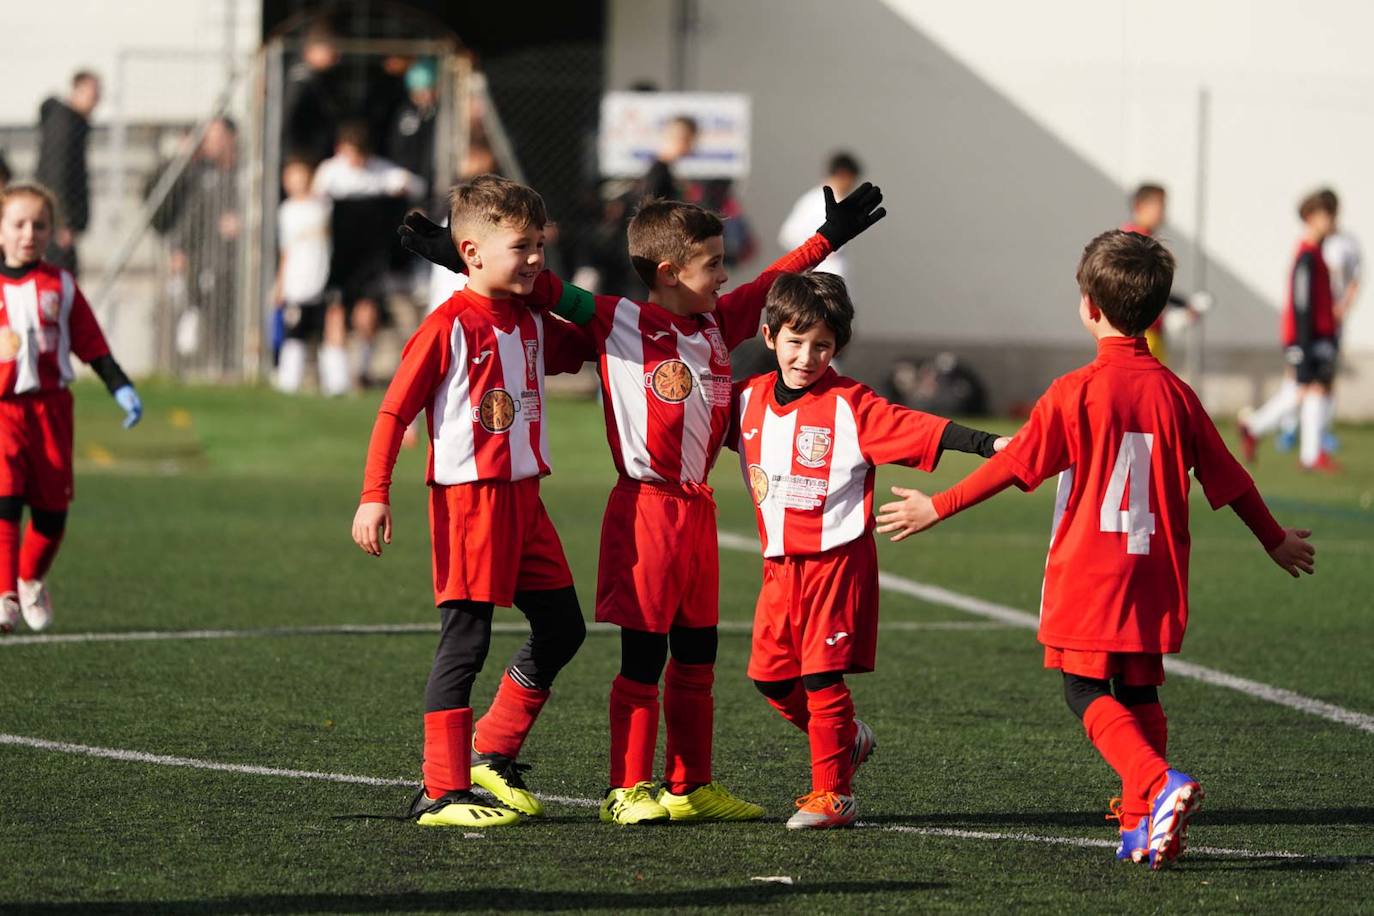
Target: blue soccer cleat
x,y
1174,807
1135,842
1286,440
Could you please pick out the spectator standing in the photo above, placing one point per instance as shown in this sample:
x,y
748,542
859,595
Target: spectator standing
x,y
841,175
64,128
313,108
679,139
410,136
303,228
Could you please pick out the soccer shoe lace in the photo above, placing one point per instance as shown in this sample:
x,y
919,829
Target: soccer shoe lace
x,y
711,802
632,805
1135,842
504,778
823,809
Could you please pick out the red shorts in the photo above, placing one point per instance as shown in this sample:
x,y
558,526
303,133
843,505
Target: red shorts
x,y
491,539
1136,669
817,613
660,560
36,449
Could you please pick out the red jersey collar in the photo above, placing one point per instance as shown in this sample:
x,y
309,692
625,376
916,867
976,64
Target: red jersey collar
x,y
687,324
819,386
505,313
1124,351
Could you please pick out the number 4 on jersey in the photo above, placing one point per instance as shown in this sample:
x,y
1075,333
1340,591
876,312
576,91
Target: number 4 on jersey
x,y
1132,467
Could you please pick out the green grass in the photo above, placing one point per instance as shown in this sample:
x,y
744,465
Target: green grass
x,y
231,509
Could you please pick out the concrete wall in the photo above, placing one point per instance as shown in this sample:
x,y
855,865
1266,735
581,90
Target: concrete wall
x,y
1005,135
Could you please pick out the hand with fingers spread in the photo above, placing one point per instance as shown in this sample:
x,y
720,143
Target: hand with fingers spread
x,y
1294,553
847,218
422,236
372,527
913,514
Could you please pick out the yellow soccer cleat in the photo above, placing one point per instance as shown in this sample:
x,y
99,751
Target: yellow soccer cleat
x,y
632,805
504,779
711,802
458,809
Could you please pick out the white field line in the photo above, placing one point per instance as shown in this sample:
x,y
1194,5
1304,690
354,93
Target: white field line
x,y
728,626
1013,617
128,756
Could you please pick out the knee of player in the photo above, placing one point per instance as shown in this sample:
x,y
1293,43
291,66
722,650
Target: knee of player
x,y
776,690
694,645
48,523
814,682
1081,692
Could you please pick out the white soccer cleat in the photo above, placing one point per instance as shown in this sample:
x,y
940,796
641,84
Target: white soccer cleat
x,y
36,604
9,612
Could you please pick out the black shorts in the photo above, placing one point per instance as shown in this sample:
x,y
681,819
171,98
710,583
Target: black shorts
x,y
1315,363
304,320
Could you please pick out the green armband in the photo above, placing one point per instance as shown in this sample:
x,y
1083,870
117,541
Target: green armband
x,y
576,305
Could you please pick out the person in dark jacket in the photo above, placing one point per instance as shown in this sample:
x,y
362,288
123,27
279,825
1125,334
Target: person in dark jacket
x,y
64,128
313,109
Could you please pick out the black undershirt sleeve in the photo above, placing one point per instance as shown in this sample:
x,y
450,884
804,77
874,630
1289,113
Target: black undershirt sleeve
x,y
958,438
110,373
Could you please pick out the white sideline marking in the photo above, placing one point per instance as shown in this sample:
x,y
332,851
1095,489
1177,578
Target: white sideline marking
x,y
111,753
364,629
1013,617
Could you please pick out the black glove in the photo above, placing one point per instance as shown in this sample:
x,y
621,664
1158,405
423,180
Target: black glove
x,y
419,235
849,217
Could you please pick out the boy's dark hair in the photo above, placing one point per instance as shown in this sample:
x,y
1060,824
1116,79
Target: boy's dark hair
x,y
490,200
84,76
668,230
1128,276
1146,192
844,162
355,133
800,301
1325,200
686,121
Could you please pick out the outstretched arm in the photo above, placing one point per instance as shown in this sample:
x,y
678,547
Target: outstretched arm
x,y
1287,547
916,511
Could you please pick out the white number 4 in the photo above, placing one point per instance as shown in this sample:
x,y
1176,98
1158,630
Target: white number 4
x,y
1136,521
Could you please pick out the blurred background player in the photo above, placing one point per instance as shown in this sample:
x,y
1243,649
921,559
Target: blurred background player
x,y
1308,334
679,140
841,175
44,319
477,367
64,130
1148,207
303,231
1123,433
313,107
808,441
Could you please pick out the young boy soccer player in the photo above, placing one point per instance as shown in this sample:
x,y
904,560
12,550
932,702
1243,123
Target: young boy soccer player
x,y
1122,433
44,319
808,441
666,386
477,366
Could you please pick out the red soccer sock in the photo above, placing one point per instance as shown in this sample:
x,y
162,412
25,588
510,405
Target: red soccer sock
x,y
793,707
1117,736
831,731
37,553
9,555
634,731
1155,726
448,754
507,723
689,710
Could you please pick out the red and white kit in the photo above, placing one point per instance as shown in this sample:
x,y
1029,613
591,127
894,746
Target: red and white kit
x,y
667,392
477,366
1123,433
809,466
44,321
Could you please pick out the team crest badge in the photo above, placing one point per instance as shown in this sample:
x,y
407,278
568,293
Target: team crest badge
x,y
813,445
758,483
48,302
496,411
9,345
671,381
719,352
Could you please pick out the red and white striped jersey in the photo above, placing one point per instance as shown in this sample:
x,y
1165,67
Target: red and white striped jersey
x,y
477,366
44,319
809,464
665,378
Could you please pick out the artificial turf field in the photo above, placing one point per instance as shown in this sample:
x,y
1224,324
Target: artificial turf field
x,y
230,510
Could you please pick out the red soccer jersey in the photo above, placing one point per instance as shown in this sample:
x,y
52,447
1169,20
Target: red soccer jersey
x,y
477,366
665,378
1308,312
44,319
1123,433
809,464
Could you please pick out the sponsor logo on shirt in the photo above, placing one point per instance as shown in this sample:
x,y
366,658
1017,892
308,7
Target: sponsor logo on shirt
x,y
671,381
835,638
813,445
758,483
48,304
797,491
659,335
716,389
496,411
481,357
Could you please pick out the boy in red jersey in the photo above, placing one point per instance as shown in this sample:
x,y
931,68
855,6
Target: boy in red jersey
x,y
477,366
666,385
1122,433
808,441
44,319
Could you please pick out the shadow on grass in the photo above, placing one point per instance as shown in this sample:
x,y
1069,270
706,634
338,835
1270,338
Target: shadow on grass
x,y
1220,817
487,899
